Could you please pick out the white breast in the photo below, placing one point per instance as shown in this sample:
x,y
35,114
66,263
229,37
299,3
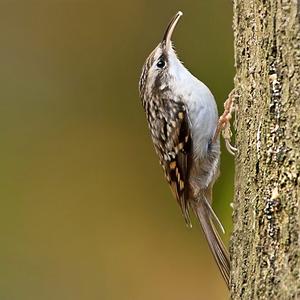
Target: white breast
x,y
201,105
203,117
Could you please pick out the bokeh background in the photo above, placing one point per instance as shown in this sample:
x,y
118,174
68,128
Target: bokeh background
x,y
85,210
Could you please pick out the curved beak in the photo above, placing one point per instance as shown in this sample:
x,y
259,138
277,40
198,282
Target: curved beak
x,y
166,41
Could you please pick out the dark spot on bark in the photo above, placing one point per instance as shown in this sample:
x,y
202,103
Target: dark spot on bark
x,y
257,168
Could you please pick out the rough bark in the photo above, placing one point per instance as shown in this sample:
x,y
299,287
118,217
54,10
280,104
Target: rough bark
x,y
265,242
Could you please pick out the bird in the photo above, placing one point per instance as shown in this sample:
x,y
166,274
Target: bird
x,y
182,117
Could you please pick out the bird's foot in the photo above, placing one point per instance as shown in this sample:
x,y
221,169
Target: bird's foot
x,y
224,123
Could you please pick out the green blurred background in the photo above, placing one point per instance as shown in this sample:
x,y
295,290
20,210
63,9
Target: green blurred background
x,y
85,210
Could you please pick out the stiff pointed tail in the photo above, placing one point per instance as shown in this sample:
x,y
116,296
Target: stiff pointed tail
x,y
218,249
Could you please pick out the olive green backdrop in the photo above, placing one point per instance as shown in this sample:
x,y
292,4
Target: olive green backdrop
x,y
85,210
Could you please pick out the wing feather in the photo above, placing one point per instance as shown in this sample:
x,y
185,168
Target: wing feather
x,y
177,167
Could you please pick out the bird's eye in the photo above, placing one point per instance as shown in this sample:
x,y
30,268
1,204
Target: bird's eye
x,y
161,63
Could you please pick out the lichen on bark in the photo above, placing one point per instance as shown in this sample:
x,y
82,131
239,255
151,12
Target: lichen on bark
x,y
265,246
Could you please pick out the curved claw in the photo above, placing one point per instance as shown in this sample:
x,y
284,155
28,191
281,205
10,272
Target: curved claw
x,y
232,150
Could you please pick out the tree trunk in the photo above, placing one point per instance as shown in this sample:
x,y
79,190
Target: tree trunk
x,y
265,246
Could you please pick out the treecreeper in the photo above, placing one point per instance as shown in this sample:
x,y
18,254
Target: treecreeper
x,y
184,125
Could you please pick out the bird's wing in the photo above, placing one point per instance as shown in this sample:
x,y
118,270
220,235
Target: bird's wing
x,y
176,166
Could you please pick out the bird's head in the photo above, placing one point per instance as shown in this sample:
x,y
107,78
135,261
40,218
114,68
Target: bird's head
x,y
162,67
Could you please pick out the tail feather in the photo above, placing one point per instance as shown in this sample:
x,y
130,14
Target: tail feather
x,y
215,219
216,245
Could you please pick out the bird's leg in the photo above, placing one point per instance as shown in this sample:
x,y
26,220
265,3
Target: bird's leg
x,y
224,123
